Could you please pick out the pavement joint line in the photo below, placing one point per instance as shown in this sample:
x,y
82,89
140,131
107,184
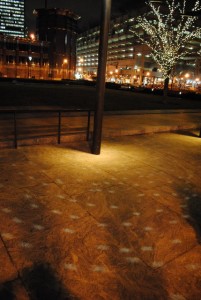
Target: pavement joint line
x,y
180,255
10,257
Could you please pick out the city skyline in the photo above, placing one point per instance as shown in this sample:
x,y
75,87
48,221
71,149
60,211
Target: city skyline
x,y
89,17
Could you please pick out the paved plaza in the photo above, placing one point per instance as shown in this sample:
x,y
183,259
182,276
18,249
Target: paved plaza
x,y
123,225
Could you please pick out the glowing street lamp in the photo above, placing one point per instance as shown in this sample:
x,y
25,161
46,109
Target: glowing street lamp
x,y
65,62
29,65
32,36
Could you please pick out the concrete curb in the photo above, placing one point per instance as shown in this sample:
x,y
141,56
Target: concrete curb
x,y
107,133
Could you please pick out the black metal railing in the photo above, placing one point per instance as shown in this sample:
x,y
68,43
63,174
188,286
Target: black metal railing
x,y
58,111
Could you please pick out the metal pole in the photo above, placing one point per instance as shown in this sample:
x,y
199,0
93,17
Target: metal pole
x,y
88,124
59,128
100,91
15,129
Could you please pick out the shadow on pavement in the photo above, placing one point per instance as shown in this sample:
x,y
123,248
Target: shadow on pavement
x,y
41,284
192,211
192,133
6,292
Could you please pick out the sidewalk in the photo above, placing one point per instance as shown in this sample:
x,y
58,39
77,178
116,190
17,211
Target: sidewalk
x,y
123,225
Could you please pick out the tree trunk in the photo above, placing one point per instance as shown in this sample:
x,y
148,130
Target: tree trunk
x,y
165,90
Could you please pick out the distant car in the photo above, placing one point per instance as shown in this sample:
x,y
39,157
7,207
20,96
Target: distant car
x,y
125,86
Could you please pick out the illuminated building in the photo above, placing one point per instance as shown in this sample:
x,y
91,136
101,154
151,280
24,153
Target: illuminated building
x,y
51,54
23,58
12,17
128,61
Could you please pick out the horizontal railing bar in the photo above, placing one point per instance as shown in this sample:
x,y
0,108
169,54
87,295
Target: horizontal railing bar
x,y
42,110
59,111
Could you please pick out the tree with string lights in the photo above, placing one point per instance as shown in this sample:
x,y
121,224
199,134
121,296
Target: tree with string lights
x,y
167,30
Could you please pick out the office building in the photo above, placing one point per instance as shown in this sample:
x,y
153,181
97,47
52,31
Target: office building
x,y
12,17
128,61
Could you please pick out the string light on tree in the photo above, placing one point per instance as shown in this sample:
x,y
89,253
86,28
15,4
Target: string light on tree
x,y
166,30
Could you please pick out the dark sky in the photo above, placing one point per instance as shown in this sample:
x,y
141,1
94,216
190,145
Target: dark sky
x,y
89,10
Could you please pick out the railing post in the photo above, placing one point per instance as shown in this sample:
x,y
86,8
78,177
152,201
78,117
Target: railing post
x,y
59,128
88,124
15,129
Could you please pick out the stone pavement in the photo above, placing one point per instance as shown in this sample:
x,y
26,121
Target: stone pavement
x,y
123,225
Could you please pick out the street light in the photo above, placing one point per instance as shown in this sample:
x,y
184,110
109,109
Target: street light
x,y
32,36
187,76
65,62
29,66
100,91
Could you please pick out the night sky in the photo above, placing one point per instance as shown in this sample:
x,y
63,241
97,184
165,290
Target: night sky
x,y
89,10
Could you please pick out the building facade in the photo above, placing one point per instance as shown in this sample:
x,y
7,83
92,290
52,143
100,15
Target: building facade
x,y
50,54
59,28
128,61
12,18
23,58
